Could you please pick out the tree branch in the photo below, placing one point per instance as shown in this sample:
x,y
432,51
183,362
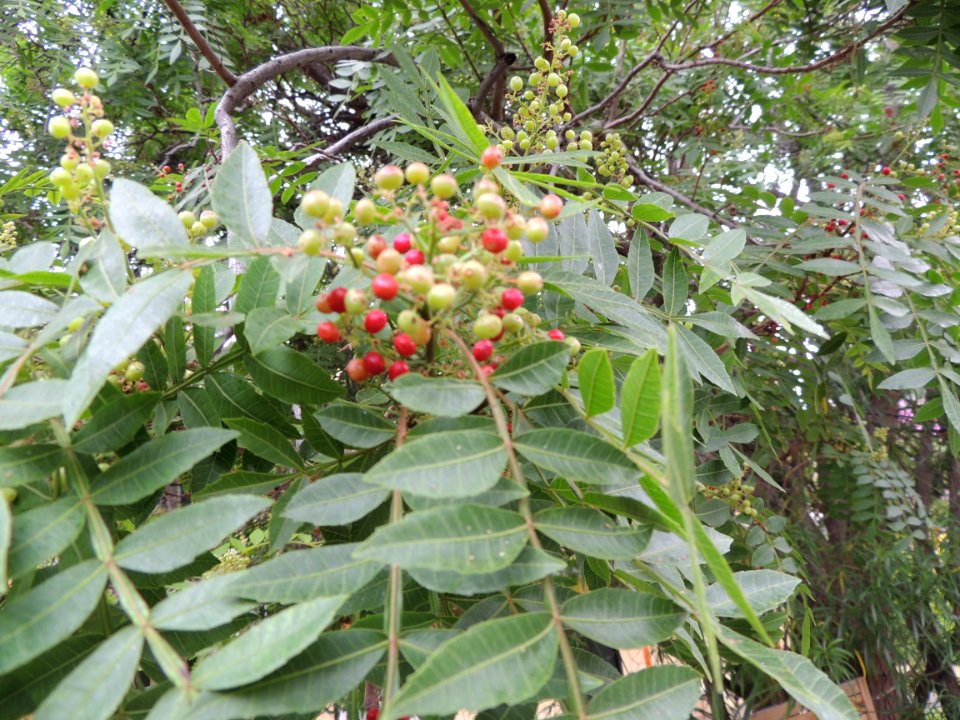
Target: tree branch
x,y
547,29
332,152
645,179
499,68
484,28
630,117
202,45
250,81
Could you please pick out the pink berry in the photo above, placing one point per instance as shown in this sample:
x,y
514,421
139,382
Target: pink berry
x,y
511,298
375,321
491,157
495,240
556,334
482,349
401,243
384,286
414,257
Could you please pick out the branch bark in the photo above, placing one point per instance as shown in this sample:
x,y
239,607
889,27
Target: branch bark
x,y
252,80
202,45
496,72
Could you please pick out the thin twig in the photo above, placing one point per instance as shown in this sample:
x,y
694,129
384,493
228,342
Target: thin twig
x,y
645,179
633,115
202,45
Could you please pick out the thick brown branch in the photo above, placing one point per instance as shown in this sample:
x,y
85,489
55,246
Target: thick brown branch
x,y
496,72
202,45
547,29
484,28
250,81
333,151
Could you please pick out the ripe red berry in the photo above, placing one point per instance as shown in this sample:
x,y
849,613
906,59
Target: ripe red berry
x,y
482,349
401,243
495,240
323,303
166,169
491,157
373,713
901,196
886,170
556,334
373,363
357,370
328,332
375,321
336,299
384,286
550,206
844,176
178,187
487,370
414,257
404,344
397,369
830,186
511,298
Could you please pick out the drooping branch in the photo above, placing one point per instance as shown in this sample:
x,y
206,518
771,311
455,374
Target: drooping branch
x,y
202,45
250,81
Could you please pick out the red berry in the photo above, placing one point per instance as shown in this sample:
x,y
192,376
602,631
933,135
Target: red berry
x,y
830,186
901,196
404,344
336,299
376,245
498,360
886,170
401,243
487,370
375,321
482,349
384,286
844,176
491,157
166,169
357,370
323,303
511,298
328,332
414,257
397,369
495,240
556,334
550,206
373,363
181,167
373,714
178,187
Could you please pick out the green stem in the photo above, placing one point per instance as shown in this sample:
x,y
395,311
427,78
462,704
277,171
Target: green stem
x,y
566,652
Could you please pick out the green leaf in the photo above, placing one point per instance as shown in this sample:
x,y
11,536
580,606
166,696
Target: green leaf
x,y
262,440
156,464
23,309
267,645
676,402
319,439
702,360
576,455
39,619
241,482
725,247
795,674
306,574
595,375
115,423
531,565
106,275
465,539
657,692
592,533
640,270
650,212
534,369
201,605
25,688
233,396
267,327
445,397
950,404
32,402
301,291
355,426
41,533
98,684
241,197
764,590
291,376
640,399
913,379
830,266
177,537
691,226
335,500
122,330
442,465
259,286
675,284
26,464
783,312
6,538
461,117
322,674
499,661
204,300
141,218
622,618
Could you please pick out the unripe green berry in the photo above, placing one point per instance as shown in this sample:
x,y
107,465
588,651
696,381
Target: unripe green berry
x,y
357,254
83,174
8,494
448,244
198,229
585,145
419,278
209,219
417,173
491,206
334,212
310,242
69,161
389,261
389,177
75,324
512,323
101,169
573,343
574,20
444,186
59,127
514,251
441,296
530,282
516,83
102,128
561,91
473,274
135,371
187,218
537,229
63,97
487,326
541,64
408,321
60,177
315,203
345,233
553,80
86,78
70,191
573,50
355,301
365,212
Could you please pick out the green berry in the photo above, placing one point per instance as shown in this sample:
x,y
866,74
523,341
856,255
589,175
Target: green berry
x,y
315,203
187,218
516,83
487,327
209,219
135,371
102,128
441,296
86,78
311,242
59,127
63,97
365,212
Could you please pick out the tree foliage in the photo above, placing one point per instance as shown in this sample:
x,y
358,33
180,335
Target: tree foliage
x,y
669,359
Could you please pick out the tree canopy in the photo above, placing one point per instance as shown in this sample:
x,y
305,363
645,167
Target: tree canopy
x,y
409,357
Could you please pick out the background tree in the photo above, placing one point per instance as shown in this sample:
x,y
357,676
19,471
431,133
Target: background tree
x,y
772,181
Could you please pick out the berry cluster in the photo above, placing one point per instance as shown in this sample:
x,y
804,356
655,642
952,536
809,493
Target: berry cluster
x,y
442,270
199,227
82,170
540,109
736,493
612,161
